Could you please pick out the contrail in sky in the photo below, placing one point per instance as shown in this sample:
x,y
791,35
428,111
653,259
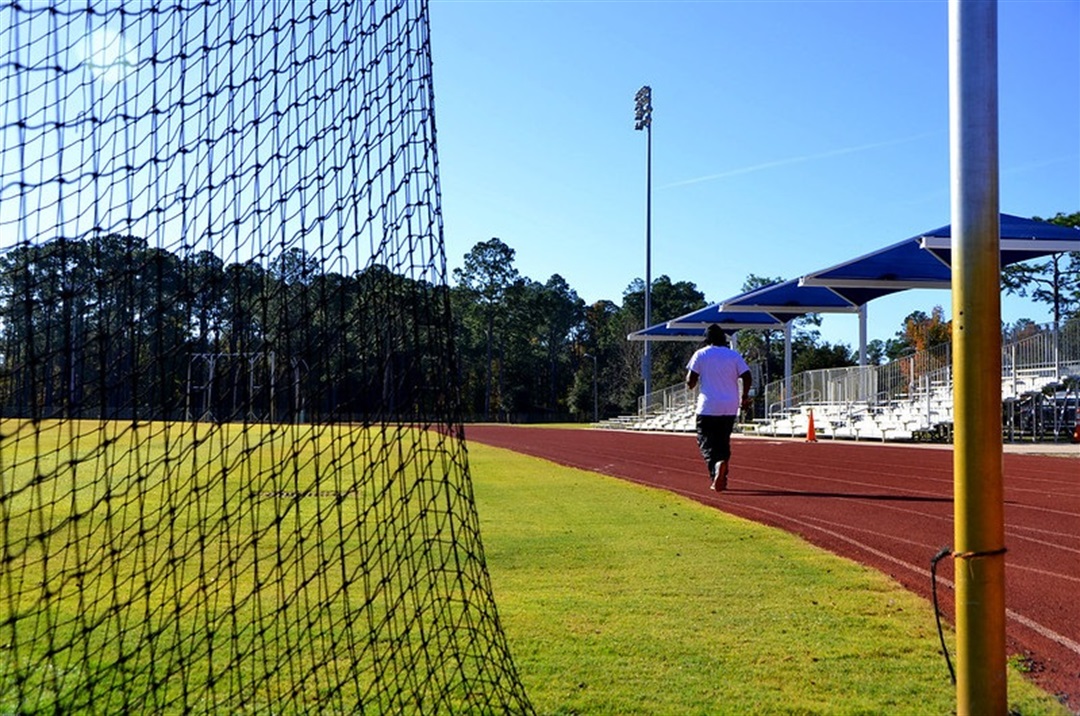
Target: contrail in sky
x,y
796,160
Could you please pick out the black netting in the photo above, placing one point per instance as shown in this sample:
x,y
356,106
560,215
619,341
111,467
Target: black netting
x,y
232,474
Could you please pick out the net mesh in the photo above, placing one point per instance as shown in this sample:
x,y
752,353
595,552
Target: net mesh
x,y
232,472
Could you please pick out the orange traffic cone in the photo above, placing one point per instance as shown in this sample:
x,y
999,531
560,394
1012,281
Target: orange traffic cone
x,y
811,436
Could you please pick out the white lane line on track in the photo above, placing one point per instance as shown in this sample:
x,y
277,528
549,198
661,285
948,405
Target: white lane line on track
x,y
1049,534
1048,633
1018,477
1044,631
1042,543
1055,575
1036,627
1034,508
929,548
1011,532
905,491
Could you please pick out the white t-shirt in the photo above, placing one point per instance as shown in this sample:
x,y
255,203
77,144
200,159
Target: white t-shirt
x,y
718,369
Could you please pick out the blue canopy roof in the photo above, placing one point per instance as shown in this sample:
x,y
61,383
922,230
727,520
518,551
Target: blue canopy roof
x,y
691,326
1021,239
788,298
924,261
729,320
661,332
769,307
901,266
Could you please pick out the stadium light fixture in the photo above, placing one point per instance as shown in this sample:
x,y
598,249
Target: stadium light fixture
x,y
643,120
643,108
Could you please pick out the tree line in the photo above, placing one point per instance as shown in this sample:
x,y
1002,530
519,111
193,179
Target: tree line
x,y
112,327
529,349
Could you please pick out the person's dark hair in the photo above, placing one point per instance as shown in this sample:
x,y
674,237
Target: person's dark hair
x,y
714,335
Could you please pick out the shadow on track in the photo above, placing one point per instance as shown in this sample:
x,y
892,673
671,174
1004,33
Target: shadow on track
x,y
835,495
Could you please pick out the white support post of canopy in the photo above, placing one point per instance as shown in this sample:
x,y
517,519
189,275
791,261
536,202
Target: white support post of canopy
x,y
787,364
862,335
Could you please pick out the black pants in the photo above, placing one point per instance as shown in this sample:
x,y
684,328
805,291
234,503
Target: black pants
x,y
714,438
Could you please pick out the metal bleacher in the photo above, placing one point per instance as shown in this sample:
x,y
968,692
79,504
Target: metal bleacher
x,y
909,399
667,410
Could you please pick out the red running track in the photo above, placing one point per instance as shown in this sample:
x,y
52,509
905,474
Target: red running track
x,y
886,506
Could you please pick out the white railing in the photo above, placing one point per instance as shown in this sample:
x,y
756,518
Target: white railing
x,y
897,400
1046,357
665,400
677,396
1028,365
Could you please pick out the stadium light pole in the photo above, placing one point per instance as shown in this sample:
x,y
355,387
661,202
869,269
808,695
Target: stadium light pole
x,y
595,402
643,120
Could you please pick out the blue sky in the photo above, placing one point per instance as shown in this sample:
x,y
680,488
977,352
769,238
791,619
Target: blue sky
x,y
787,136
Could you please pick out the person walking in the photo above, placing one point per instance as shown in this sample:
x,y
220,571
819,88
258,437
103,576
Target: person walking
x,y
718,370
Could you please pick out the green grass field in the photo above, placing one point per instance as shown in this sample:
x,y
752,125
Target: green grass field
x,y
148,567
619,599
176,567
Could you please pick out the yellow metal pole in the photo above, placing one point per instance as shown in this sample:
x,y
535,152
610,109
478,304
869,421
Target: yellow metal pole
x,y
979,531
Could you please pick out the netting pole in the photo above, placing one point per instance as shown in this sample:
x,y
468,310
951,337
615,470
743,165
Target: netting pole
x,y
979,539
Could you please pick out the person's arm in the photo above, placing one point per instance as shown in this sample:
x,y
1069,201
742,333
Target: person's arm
x,y
747,381
691,380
